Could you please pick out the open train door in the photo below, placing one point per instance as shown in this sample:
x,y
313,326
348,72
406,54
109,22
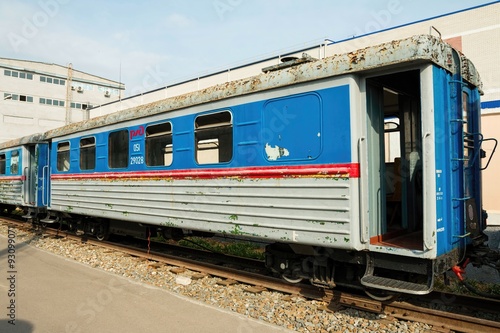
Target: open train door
x,y
395,160
36,179
395,187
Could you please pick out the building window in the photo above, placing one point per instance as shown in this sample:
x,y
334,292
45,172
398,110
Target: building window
x,y
20,98
47,79
87,153
159,145
49,101
214,138
2,164
80,106
63,156
118,149
21,75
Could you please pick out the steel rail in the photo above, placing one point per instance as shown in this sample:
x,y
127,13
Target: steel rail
x,y
402,310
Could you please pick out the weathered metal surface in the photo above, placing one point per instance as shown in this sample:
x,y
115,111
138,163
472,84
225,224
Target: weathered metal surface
x,y
35,138
306,210
469,73
420,48
11,191
305,58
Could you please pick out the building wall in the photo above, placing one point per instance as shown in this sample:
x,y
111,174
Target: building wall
x,y
476,32
34,96
491,183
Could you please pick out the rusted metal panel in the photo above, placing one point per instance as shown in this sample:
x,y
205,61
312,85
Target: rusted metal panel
x,y
11,191
35,138
299,210
420,48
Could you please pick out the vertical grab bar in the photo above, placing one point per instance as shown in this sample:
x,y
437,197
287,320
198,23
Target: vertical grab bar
x,y
26,185
362,151
45,189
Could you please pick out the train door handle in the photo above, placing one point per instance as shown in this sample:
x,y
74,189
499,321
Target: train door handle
x,y
45,189
25,185
362,151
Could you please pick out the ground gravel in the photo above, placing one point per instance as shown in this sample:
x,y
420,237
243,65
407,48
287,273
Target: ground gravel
x,y
293,312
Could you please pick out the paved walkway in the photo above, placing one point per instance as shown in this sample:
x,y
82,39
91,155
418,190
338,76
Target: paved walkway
x,y
56,295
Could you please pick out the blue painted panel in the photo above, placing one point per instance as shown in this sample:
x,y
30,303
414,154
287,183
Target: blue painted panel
x,y
450,188
42,171
137,150
443,160
292,128
314,127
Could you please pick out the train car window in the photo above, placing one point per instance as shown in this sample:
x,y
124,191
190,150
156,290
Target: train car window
x,y
63,156
2,164
214,138
87,153
392,138
159,145
118,149
14,162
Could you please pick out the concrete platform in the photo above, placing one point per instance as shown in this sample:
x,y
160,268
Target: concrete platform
x,y
56,295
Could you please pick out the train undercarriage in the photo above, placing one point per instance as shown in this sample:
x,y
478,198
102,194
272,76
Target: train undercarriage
x,y
295,263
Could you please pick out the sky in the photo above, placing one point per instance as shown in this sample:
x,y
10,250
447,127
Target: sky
x,y
151,44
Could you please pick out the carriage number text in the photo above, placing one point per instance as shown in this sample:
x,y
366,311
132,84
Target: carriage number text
x,y
136,160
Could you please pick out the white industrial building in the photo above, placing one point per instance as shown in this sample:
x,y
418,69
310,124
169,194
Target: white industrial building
x,y
38,96
475,32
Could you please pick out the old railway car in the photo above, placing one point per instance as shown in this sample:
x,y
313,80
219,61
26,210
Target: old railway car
x,y
360,169
24,174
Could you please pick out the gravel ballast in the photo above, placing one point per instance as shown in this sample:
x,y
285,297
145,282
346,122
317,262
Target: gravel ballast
x,y
289,311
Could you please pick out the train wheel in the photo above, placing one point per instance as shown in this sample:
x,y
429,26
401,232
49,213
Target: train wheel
x,y
102,232
381,295
72,226
290,279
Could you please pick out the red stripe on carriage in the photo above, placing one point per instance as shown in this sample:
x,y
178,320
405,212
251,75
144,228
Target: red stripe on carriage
x,y
348,170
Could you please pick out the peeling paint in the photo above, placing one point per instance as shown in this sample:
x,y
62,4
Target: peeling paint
x,y
273,153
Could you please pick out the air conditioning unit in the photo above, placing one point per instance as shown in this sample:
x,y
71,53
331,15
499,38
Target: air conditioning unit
x,y
80,89
107,94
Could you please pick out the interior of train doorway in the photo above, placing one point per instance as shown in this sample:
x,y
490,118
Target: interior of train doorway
x,y
395,160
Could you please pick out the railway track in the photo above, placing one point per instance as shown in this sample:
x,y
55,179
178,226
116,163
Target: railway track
x,y
459,315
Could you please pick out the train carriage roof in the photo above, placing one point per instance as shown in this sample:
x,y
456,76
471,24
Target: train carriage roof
x,y
30,139
419,48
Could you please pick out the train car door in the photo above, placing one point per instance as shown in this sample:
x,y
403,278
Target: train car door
x,y
36,177
395,160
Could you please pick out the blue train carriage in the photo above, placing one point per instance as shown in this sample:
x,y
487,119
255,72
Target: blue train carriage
x,y
358,169
24,175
